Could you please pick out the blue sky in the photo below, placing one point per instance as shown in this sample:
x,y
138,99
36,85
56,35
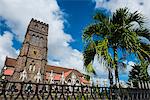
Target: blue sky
x,y
66,19
78,15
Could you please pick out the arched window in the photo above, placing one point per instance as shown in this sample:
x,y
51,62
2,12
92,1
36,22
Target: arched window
x,y
41,41
77,82
41,38
37,40
30,67
69,82
33,69
43,28
33,38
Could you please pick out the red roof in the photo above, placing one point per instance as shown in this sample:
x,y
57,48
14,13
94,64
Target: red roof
x,y
9,71
67,73
10,62
59,70
58,76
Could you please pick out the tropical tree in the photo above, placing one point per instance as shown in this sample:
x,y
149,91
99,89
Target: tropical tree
x,y
138,73
120,33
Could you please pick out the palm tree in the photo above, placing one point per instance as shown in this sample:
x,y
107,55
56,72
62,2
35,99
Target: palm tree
x,y
139,73
119,32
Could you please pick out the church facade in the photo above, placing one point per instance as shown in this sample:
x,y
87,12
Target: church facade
x,y
31,63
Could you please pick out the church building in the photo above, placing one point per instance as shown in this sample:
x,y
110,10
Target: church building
x,y
31,63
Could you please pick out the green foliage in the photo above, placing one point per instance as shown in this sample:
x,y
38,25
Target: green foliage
x,y
83,98
139,73
117,32
87,77
68,98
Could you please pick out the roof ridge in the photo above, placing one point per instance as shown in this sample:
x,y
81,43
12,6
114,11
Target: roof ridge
x,y
60,67
10,58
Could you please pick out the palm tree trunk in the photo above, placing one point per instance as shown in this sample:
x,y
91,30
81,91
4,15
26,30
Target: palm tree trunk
x,y
116,65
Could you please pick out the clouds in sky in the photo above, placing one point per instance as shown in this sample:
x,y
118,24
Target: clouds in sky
x,y
134,5
18,13
141,5
6,48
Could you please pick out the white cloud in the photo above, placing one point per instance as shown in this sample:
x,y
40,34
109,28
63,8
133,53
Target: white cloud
x,y
6,48
100,66
131,63
124,74
140,5
18,13
115,4
71,58
144,40
128,68
123,84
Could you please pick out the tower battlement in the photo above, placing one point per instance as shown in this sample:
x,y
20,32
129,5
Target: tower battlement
x,y
36,21
38,26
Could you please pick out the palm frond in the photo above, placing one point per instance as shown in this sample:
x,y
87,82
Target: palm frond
x,y
136,17
88,56
119,16
99,16
144,32
90,68
145,54
102,50
89,53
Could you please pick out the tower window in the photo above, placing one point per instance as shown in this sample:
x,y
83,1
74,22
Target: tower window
x,y
35,52
33,39
30,67
41,38
36,25
43,28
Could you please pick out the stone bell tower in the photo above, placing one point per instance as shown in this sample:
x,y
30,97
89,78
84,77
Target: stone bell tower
x,y
32,59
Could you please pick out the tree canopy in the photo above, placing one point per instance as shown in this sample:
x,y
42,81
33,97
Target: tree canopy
x,y
121,33
139,73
